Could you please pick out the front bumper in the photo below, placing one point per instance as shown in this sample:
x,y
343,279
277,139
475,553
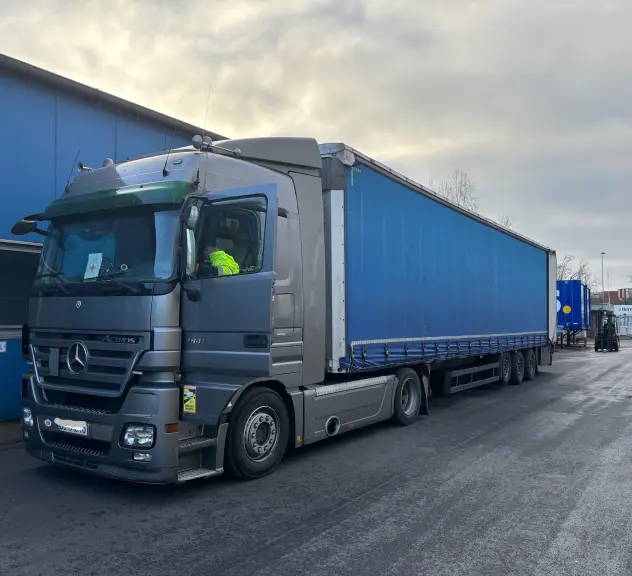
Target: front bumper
x,y
101,452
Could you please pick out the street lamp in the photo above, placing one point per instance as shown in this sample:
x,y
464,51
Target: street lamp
x,y
603,291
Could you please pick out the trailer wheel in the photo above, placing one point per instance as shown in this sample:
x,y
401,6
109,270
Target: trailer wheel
x,y
408,399
258,434
530,365
517,367
505,368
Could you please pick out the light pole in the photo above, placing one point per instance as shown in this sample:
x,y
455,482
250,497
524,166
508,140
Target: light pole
x,y
603,291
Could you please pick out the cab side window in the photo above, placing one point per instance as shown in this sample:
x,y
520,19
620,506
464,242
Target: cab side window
x,y
231,237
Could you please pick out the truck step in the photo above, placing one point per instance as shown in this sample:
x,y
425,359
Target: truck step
x,y
195,444
197,473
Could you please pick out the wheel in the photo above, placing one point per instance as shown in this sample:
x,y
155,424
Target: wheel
x,y
258,434
505,368
517,368
596,346
530,365
408,399
616,346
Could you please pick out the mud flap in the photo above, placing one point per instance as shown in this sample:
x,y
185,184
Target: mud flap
x,y
546,358
425,384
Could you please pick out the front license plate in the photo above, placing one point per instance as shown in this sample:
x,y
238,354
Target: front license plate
x,y
76,427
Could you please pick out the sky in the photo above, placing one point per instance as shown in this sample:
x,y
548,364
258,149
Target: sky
x,y
531,98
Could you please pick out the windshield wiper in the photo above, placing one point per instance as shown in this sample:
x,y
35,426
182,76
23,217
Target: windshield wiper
x,y
109,277
58,282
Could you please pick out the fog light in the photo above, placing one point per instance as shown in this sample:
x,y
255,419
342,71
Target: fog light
x,y
138,436
142,457
27,417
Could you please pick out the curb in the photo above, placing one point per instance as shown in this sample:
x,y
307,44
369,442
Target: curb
x,y
10,433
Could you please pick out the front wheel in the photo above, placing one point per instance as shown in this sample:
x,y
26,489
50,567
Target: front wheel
x,y
258,434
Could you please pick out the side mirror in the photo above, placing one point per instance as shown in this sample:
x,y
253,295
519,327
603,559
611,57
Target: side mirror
x,y
24,227
191,217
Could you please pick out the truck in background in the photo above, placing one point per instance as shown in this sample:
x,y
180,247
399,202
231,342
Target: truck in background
x,y
353,292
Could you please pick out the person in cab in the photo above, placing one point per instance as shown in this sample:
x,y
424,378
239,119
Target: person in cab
x,y
222,261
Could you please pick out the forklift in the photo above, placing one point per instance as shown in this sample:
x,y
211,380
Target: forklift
x,y
607,337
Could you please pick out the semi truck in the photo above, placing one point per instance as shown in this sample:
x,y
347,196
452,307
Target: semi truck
x,y
209,308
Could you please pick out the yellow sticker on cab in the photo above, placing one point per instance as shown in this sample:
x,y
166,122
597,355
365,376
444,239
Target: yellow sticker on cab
x,y
189,394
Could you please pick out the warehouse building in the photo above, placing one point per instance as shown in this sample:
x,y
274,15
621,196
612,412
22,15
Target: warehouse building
x,y
47,124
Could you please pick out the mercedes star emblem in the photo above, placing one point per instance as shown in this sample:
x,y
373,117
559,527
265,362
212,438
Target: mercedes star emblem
x,y
78,304
77,360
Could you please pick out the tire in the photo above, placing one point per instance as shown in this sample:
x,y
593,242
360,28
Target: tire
x,y
408,397
258,434
505,369
596,346
530,364
517,368
616,347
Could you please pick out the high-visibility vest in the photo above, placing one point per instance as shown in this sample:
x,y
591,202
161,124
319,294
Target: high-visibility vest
x,y
225,262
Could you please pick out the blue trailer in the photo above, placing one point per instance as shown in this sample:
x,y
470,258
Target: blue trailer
x,y
426,281
573,310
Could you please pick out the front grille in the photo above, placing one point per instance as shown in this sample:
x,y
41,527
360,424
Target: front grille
x,y
108,366
79,444
82,402
87,451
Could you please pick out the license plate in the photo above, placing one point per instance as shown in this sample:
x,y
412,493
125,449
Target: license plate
x,y
78,428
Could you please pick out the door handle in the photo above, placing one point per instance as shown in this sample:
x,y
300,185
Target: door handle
x,y
255,341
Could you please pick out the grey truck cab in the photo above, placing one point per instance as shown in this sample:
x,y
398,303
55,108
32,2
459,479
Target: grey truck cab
x,y
142,343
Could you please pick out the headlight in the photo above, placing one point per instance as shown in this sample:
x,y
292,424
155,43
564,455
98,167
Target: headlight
x,y
138,436
27,417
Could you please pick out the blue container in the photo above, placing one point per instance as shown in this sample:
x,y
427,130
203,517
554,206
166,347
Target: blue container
x,y
12,366
427,281
576,296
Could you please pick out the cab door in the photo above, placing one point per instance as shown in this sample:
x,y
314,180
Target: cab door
x,y
227,318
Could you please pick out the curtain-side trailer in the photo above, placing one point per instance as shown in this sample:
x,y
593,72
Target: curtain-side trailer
x,y
205,309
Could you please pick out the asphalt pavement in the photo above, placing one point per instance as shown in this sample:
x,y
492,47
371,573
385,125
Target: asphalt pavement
x,y
534,479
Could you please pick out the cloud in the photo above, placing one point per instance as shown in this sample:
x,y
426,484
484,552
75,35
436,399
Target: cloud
x,y
531,98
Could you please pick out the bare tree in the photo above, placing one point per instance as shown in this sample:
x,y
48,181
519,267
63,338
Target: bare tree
x,y
505,221
459,190
564,267
569,269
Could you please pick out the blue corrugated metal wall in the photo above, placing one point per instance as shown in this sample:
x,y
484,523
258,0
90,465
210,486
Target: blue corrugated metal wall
x,y
421,276
11,369
41,131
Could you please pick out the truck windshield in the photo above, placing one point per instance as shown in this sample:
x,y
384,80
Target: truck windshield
x,y
130,244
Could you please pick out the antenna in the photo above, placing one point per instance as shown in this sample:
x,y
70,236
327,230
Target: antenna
x,y
165,172
208,104
71,169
